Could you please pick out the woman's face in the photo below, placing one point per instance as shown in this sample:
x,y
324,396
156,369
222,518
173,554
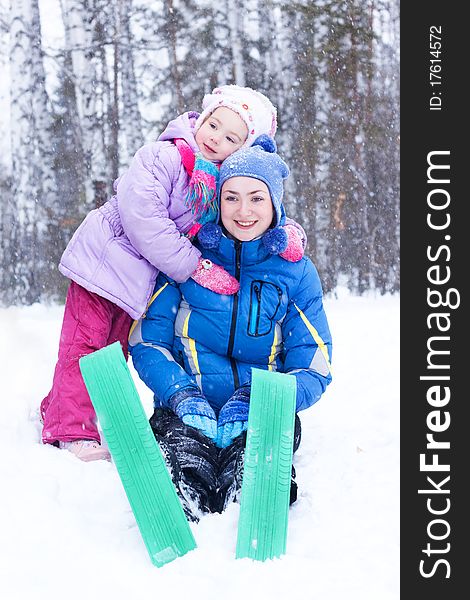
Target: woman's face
x,y
246,208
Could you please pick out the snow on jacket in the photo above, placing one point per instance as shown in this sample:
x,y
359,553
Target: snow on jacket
x,y
192,336
119,248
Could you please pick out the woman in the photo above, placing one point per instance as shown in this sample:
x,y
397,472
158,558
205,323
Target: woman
x,y
195,349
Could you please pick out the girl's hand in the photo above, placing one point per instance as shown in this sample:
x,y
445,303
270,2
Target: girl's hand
x,y
215,278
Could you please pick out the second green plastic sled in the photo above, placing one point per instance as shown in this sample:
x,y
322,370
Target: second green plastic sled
x,y
264,501
139,461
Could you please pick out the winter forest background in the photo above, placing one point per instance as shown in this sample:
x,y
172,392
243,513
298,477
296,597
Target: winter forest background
x,y
84,83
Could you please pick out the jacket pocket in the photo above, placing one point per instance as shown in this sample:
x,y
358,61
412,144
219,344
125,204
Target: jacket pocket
x,y
265,299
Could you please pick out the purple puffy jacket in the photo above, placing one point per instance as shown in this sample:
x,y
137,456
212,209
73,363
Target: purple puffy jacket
x,y
119,248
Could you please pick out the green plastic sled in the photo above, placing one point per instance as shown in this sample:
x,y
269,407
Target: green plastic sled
x,y
264,501
139,461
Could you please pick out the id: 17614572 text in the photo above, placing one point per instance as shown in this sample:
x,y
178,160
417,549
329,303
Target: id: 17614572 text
x,y
435,67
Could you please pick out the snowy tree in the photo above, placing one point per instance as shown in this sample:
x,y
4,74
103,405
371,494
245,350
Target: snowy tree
x,y
32,176
130,117
78,18
382,161
100,42
70,174
197,54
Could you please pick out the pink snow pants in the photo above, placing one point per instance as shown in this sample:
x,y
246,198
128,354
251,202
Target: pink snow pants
x,y
90,323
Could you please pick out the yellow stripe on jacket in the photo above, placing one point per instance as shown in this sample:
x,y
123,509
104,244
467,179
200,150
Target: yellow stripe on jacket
x,y
192,343
272,356
316,336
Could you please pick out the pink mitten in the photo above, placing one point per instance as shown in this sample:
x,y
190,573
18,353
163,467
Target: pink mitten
x,y
215,278
295,247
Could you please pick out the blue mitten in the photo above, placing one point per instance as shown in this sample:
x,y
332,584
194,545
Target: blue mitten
x,y
194,410
233,417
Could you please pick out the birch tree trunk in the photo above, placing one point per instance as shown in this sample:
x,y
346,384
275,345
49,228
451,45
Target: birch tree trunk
x,y
131,120
280,93
6,204
221,67
322,233
78,17
106,159
32,178
171,34
269,18
235,24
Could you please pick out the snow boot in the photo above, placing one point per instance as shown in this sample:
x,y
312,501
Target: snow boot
x,y
192,456
86,450
297,438
297,433
230,473
293,487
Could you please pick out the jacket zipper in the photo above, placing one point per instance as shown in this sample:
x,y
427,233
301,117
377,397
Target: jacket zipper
x,y
233,324
255,310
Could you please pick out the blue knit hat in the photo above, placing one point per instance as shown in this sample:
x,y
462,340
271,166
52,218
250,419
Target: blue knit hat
x,y
260,161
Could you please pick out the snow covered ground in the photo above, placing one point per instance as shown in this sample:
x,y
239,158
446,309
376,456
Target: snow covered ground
x,y
67,530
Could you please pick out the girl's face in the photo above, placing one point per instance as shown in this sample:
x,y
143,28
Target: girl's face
x,y
221,134
245,207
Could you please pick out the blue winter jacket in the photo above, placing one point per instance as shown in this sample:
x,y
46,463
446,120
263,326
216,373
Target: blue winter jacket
x,y
191,336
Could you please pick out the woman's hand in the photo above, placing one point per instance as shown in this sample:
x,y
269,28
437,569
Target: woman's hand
x,y
194,410
233,417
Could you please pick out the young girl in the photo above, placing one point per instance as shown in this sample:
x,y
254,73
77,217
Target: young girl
x,y
115,255
195,350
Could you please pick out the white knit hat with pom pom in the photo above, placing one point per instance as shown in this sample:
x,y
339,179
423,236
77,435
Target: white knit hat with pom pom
x,y
254,108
